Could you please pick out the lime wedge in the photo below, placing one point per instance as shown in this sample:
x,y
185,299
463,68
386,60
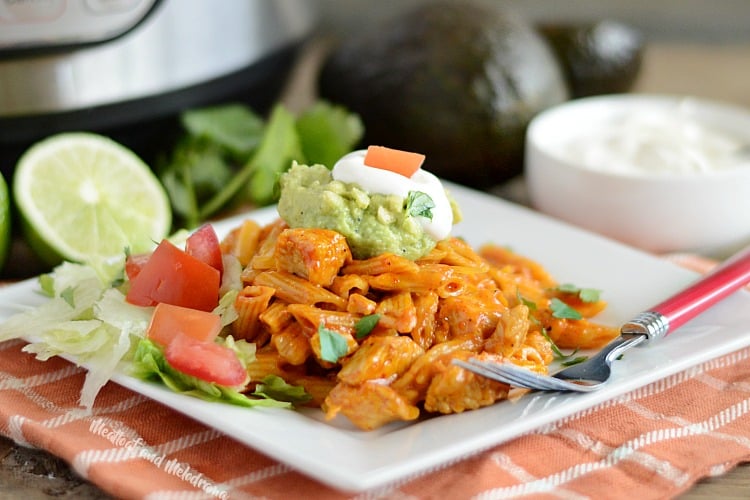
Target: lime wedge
x,y
85,198
4,222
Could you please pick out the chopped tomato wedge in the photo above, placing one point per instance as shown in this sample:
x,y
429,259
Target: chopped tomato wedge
x,y
205,360
169,320
203,244
134,264
395,160
174,277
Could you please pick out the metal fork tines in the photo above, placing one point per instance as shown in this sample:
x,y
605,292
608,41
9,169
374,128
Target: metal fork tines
x,y
584,377
515,376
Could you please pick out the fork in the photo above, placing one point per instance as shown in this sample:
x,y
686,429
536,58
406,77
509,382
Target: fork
x,y
647,326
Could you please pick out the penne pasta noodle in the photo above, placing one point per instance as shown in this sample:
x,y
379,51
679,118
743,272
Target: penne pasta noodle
x,y
348,284
459,253
397,311
264,257
250,303
386,263
292,344
359,304
295,290
267,362
276,317
311,317
374,339
242,242
419,282
500,256
425,306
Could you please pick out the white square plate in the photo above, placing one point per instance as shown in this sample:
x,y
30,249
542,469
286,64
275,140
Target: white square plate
x,y
348,459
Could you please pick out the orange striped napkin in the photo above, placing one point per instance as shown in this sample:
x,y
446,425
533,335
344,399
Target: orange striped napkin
x,y
652,443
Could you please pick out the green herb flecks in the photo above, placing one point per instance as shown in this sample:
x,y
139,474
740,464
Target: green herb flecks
x,y
585,294
333,346
565,359
562,310
364,325
419,204
523,300
559,310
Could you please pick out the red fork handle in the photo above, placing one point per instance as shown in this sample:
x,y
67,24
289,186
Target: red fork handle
x,y
724,280
665,317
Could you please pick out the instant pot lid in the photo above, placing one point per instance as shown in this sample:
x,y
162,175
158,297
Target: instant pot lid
x,y
183,51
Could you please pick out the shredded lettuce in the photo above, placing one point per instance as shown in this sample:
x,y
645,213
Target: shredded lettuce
x,y
275,387
102,364
226,308
149,364
77,338
231,278
83,318
73,288
114,310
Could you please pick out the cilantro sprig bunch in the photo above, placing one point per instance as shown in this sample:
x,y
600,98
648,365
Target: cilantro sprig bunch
x,y
230,155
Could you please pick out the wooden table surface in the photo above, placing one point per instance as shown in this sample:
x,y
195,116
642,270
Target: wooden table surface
x,y
717,71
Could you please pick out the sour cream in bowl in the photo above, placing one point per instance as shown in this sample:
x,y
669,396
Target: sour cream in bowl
x,y
662,173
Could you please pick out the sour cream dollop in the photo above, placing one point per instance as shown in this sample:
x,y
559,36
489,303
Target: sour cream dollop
x,y
351,169
663,141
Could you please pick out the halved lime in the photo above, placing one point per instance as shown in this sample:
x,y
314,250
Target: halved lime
x,y
4,222
85,198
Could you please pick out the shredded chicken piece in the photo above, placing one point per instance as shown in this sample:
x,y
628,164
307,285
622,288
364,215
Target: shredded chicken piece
x,y
453,389
414,383
369,405
313,254
510,332
380,357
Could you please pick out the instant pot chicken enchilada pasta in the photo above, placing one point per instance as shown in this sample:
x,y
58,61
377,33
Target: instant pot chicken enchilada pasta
x,y
372,335
356,300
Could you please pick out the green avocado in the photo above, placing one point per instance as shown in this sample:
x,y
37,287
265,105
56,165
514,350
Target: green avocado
x,y
456,81
598,58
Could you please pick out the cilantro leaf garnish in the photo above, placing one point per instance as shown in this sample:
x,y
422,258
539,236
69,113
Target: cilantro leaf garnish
x,y
589,294
585,294
419,204
332,345
364,326
523,300
562,310
565,359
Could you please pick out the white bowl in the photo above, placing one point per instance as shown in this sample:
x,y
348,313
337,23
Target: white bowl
x,y
649,200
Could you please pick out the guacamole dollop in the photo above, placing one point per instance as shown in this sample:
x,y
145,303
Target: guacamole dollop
x,y
373,224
